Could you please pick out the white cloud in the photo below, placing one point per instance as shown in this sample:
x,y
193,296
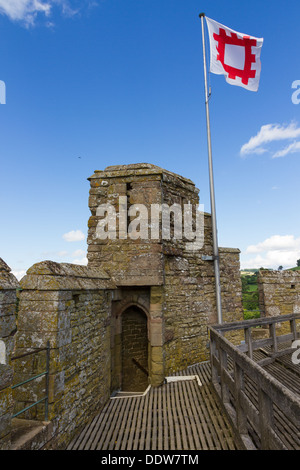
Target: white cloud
x,y
276,242
62,253
82,261
292,148
272,133
26,11
19,273
74,236
277,250
77,253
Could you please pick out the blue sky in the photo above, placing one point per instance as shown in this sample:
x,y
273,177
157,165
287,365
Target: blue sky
x,y
96,83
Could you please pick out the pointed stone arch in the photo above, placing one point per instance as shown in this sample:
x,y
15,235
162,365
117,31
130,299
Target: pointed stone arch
x,y
134,350
142,300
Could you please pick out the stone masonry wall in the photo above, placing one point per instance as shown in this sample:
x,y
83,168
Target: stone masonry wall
x,y
130,262
183,281
190,303
8,304
189,291
69,306
279,293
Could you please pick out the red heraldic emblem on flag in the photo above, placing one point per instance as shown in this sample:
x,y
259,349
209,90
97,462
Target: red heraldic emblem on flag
x,y
235,55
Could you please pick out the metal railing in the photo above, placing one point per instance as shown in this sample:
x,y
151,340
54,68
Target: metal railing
x,y
45,373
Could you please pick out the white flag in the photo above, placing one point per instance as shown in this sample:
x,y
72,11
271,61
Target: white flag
x,y
235,55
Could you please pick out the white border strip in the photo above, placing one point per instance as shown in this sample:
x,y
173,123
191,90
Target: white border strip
x,y
178,378
133,396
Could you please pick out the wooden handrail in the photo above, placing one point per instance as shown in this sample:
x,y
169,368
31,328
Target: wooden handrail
x,y
229,383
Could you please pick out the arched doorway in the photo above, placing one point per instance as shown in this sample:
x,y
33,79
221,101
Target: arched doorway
x,y
134,350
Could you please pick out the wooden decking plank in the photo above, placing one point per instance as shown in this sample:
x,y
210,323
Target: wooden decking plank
x,y
116,441
206,435
84,439
286,430
139,420
80,440
102,440
143,423
221,423
174,416
88,433
180,416
102,422
149,423
209,419
285,376
122,444
210,433
196,424
159,420
133,425
165,418
203,420
192,433
154,421
178,410
204,373
174,428
186,415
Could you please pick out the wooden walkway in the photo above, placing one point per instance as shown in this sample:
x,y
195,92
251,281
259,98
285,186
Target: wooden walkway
x,y
287,373
179,415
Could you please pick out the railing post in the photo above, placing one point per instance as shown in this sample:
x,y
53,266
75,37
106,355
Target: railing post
x,y
248,339
294,329
241,420
272,328
42,374
266,419
213,349
224,386
47,381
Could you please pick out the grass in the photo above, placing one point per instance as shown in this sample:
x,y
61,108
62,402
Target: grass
x,y
252,287
250,293
250,314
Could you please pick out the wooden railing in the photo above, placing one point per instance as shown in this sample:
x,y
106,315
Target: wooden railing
x,y
253,411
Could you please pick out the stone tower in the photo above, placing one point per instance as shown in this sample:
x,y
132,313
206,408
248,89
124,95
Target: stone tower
x,y
166,293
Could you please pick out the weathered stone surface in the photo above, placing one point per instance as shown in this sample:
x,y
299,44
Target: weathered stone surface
x,y
7,279
182,292
49,275
8,307
279,294
79,309
70,307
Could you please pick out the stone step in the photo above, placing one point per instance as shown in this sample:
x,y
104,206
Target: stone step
x,y
29,434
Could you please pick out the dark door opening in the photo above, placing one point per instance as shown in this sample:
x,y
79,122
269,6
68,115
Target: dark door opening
x,y
134,350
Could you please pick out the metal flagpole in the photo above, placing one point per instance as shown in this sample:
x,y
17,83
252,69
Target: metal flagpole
x,y
212,191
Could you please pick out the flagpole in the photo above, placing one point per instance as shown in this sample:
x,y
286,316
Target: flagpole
x,y
212,191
